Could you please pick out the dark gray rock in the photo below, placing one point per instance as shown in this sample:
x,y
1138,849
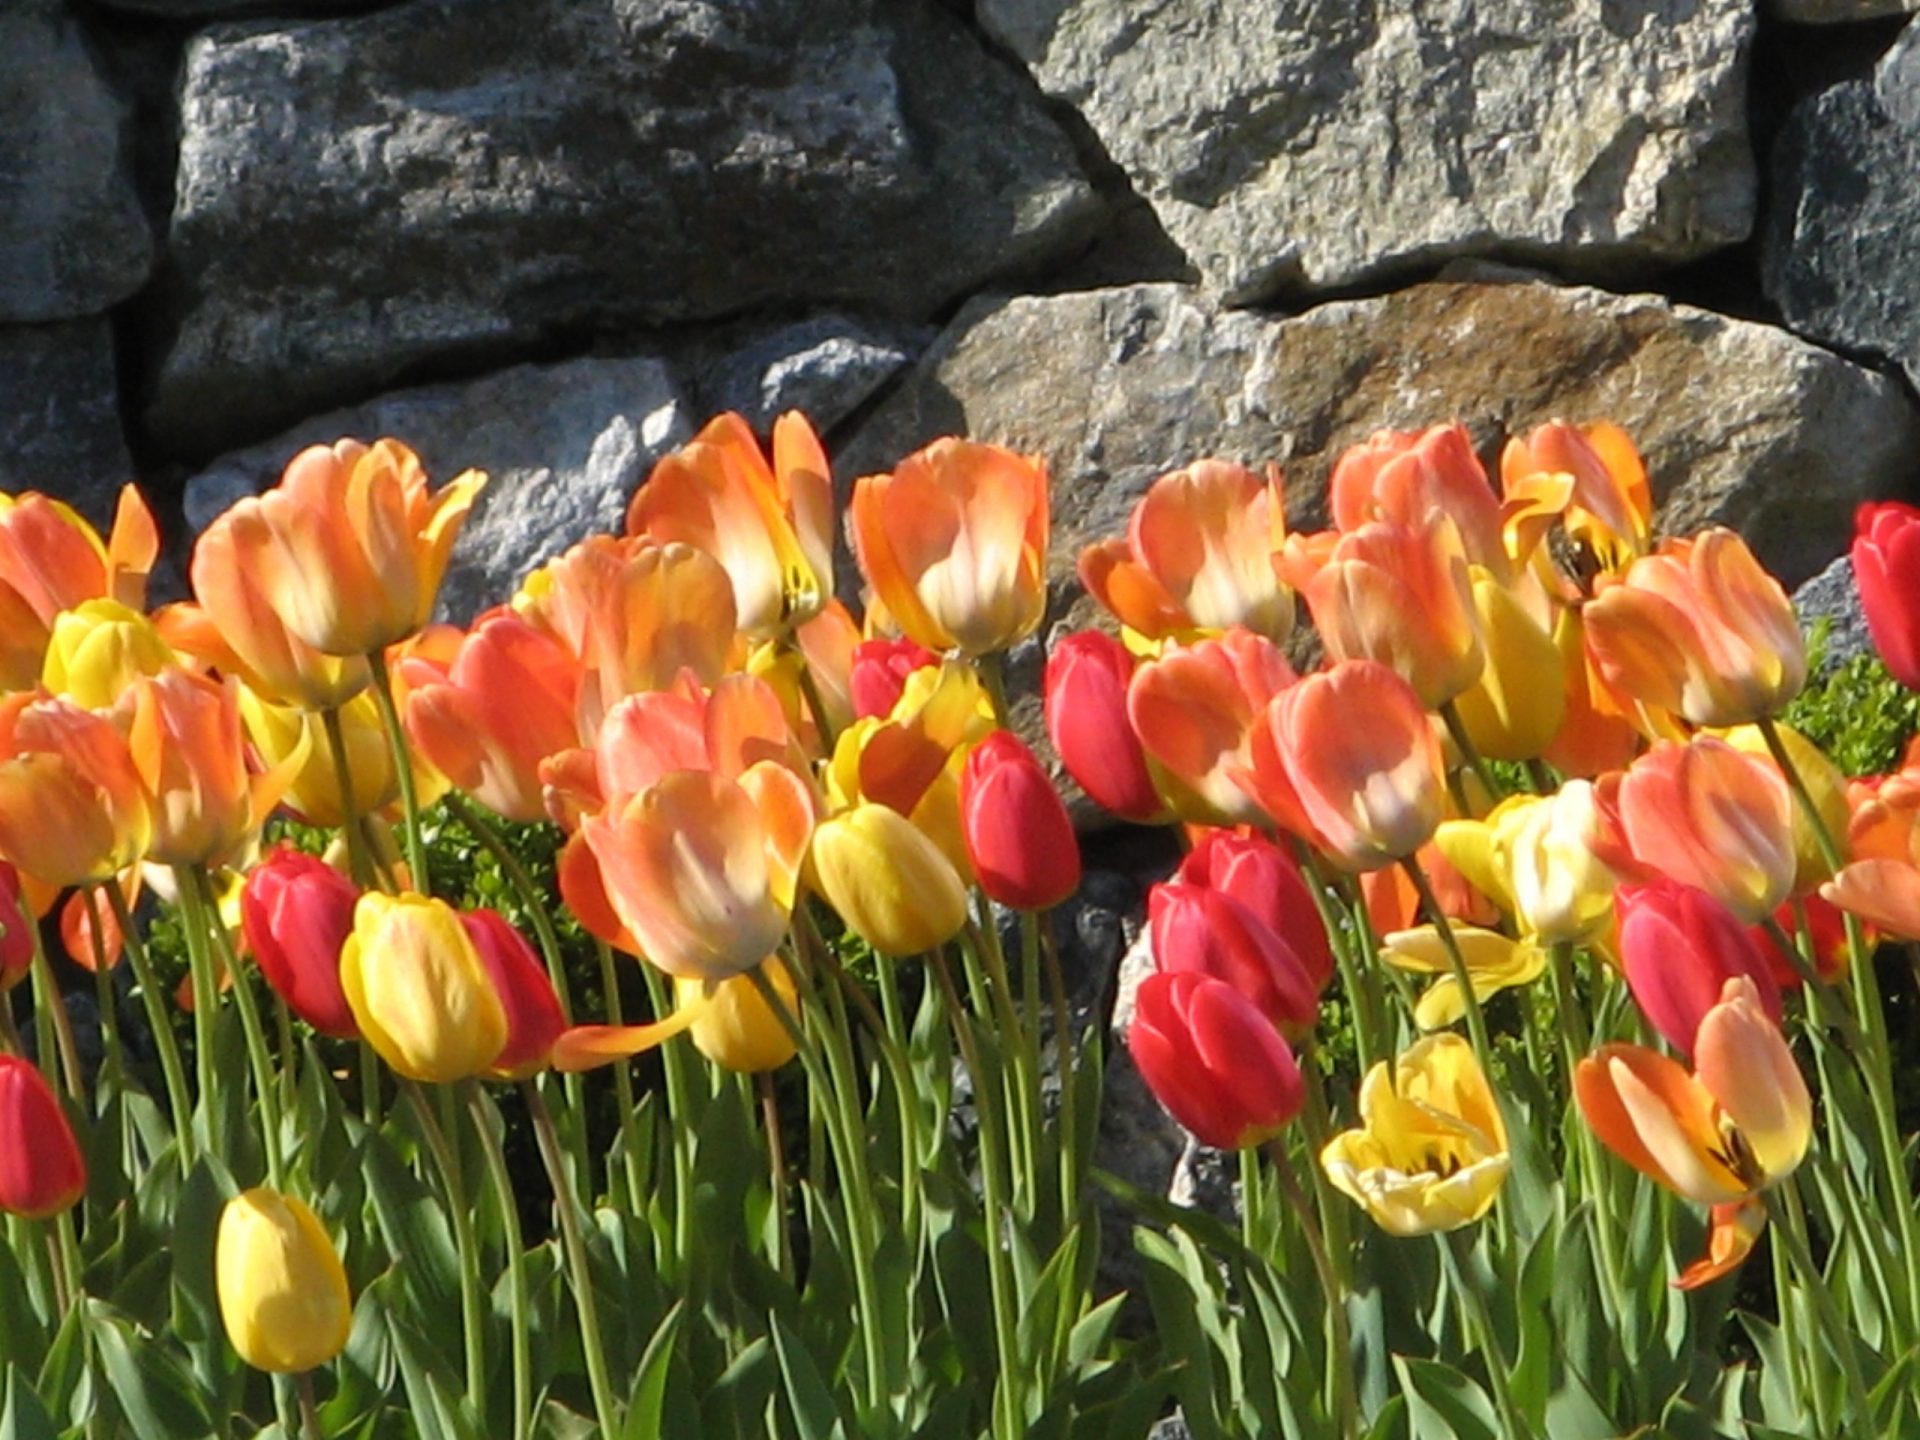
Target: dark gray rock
x,y
564,446
1833,598
1843,240
60,415
1306,144
1741,424
446,183
1837,12
73,240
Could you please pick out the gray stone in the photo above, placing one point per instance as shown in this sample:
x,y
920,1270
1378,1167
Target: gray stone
x,y
1837,12
1741,424
1843,238
236,9
444,183
826,367
1833,598
73,240
564,446
1305,144
60,415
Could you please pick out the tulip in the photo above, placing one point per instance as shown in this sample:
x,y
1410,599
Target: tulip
x,y
525,992
98,649
288,737
825,646
1199,555
771,526
506,703
887,880
1213,1060
73,809
1493,962
16,940
1818,928
1679,947
1886,558
296,912
283,1292
701,869
41,1169
1018,835
1086,719
1263,877
1885,893
1515,709
1399,594
1824,783
1405,477
1534,857
1708,816
1588,477
1739,1123
1200,931
1431,1149
1595,734
880,671
351,544
1195,710
52,560
736,1028
1699,628
418,989
954,544
1348,760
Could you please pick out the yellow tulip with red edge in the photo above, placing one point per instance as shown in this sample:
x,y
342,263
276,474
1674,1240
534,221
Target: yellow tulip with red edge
x,y
419,990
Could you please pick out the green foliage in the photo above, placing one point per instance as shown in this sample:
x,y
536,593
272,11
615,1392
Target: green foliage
x,y
1855,711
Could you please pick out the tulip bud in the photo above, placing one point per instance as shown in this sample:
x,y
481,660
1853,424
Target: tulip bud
x,y
1679,947
887,880
1018,835
1513,711
296,913
1208,932
1886,558
1086,712
418,989
98,649
1262,877
736,1028
283,1292
525,990
879,673
41,1170
1214,1060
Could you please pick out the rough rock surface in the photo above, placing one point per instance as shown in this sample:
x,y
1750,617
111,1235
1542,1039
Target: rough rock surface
x,y
60,415
442,182
1740,424
73,240
1843,241
564,445
825,367
1833,596
1836,12
1320,143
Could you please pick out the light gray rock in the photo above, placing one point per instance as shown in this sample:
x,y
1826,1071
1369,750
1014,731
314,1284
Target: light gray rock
x,y
73,240
1843,239
60,415
1305,144
1832,597
442,182
564,446
826,367
1741,424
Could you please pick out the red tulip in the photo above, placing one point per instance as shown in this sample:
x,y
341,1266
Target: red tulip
x,y
1826,931
879,674
1680,947
1086,710
1018,835
1264,878
534,1020
1207,932
1213,1060
296,911
41,1171
1886,568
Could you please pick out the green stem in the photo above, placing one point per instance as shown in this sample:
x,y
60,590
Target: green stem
x,y
1791,1220
1066,1062
172,1068
681,1127
1022,1096
484,1116
1339,1342
206,1009
53,1023
1498,1368
402,769
1456,963
447,1160
1457,728
781,1258
810,692
202,914
359,862
567,1203
103,990
622,1086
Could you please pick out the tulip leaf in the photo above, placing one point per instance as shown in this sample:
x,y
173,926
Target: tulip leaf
x,y
1443,1404
736,1405
155,1393
23,1337
22,1416
63,1374
646,1407
808,1398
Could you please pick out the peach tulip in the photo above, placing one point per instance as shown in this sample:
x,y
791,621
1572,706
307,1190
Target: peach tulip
x,y
1199,555
73,809
1407,476
954,544
1588,477
52,560
1195,710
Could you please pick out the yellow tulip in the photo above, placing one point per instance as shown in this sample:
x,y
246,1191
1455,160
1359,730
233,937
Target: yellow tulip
x,y
1514,710
98,649
283,1292
736,1028
1533,856
1823,781
888,880
1494,962
418,989
1431,1150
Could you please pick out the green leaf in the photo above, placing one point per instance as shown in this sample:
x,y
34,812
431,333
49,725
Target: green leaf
x,y
22,1416
646,1409
155,1392
1443,1404
808,1398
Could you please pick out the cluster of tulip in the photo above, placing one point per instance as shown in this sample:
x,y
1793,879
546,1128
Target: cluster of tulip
x,y
1536,733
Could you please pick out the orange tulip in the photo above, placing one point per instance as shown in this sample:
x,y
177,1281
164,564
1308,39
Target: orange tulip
x,y
351,545
1195,709
73,810
1406,477
954,544
771,526
1199,555
52,560
701,869
1699,628
1348,760
1398,594
1590,478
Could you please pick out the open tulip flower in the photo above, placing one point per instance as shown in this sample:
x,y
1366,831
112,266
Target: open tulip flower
x,y
1430,1152
1407,476
1882,883
1886,560
1195,710
1214,1060
1493,962
1588,477
52,560
770,525
1199,555
1533,856
954,543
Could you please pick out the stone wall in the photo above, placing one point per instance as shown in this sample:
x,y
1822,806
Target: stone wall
x,y
547,237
